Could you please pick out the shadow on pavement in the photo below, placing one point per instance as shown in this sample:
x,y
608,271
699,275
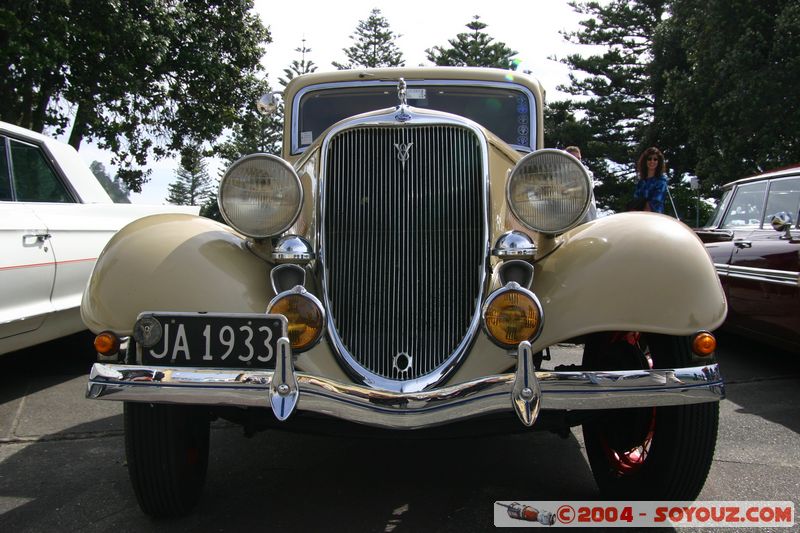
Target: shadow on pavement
x,y
42,366
286,482
762,380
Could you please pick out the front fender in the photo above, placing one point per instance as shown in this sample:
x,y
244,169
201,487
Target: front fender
x,y
628,272
173,262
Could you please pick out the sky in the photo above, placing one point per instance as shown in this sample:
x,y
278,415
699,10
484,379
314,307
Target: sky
x,y
532,28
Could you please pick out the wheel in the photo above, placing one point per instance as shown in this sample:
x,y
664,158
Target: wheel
x,y
167,451
652,453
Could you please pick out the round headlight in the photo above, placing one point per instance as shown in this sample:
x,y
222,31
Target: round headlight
x,y
305,316
260,195
512,315
549,191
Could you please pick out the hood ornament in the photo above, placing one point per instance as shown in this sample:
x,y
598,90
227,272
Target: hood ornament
x,y
401,91
402,115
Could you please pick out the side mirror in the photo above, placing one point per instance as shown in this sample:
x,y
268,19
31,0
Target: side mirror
x,y
268,103
782,222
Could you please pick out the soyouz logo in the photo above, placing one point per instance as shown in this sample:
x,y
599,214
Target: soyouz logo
x,y
750,514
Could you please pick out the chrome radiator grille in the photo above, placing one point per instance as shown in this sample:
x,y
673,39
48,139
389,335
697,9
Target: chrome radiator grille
x,y
403,245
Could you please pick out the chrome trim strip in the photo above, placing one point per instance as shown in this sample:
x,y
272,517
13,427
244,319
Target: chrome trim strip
x,y
765,275
411,83
397,410
417,117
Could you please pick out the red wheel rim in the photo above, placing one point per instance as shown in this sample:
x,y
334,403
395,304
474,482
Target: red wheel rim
x,y
627,459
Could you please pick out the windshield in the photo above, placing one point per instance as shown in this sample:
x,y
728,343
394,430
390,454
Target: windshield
x,y
716,216
506,112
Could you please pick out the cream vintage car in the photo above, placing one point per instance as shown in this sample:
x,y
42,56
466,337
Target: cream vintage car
x,y
55,219
406,264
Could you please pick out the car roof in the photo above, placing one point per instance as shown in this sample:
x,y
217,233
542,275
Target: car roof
x,y
783,172
415,74
80,177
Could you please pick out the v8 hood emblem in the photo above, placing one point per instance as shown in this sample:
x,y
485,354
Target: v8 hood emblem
x,y
403,152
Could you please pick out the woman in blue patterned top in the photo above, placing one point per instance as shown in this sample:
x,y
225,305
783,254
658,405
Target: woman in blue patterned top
x,y
651,189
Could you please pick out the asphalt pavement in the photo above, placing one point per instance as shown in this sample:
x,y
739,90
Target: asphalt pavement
x,y
62,460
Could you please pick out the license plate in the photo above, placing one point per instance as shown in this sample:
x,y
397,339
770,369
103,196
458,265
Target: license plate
x,y
215,340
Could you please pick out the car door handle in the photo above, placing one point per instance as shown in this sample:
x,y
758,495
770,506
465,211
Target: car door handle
x,y
40,237
743,244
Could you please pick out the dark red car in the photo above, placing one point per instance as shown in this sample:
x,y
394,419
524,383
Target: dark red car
x,y
754,241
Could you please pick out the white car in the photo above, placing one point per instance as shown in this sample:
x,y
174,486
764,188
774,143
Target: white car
x,y
55,218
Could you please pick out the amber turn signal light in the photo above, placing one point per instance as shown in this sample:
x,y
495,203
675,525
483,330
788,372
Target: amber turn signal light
x,y
512,315
704,344
304,314
106,343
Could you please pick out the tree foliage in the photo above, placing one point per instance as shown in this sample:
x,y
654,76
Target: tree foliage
x,y
374,45
192,185
298,67
473,49
737,85
140,77
256,132
711,83
253,132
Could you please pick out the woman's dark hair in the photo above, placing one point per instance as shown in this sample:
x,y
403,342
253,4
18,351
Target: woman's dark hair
x,y
641,165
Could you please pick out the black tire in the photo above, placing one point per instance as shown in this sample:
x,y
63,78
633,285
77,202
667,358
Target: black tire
x,y
651,453
167,452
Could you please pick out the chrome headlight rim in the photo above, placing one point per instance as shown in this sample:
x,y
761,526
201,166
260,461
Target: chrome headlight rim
x,y
579,166
242,160
511,286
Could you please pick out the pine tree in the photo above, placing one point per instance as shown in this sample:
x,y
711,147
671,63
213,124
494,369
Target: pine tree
x,y
474,49
210,208
253,132
192,184
298,68
374,45
621,102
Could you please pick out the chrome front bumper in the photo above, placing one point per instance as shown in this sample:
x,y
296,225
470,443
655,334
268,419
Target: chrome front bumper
x,y
526,391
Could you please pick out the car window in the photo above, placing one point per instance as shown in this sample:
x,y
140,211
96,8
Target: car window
x,y
5,179
716,216
34,178
505,112
784,196
747,206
